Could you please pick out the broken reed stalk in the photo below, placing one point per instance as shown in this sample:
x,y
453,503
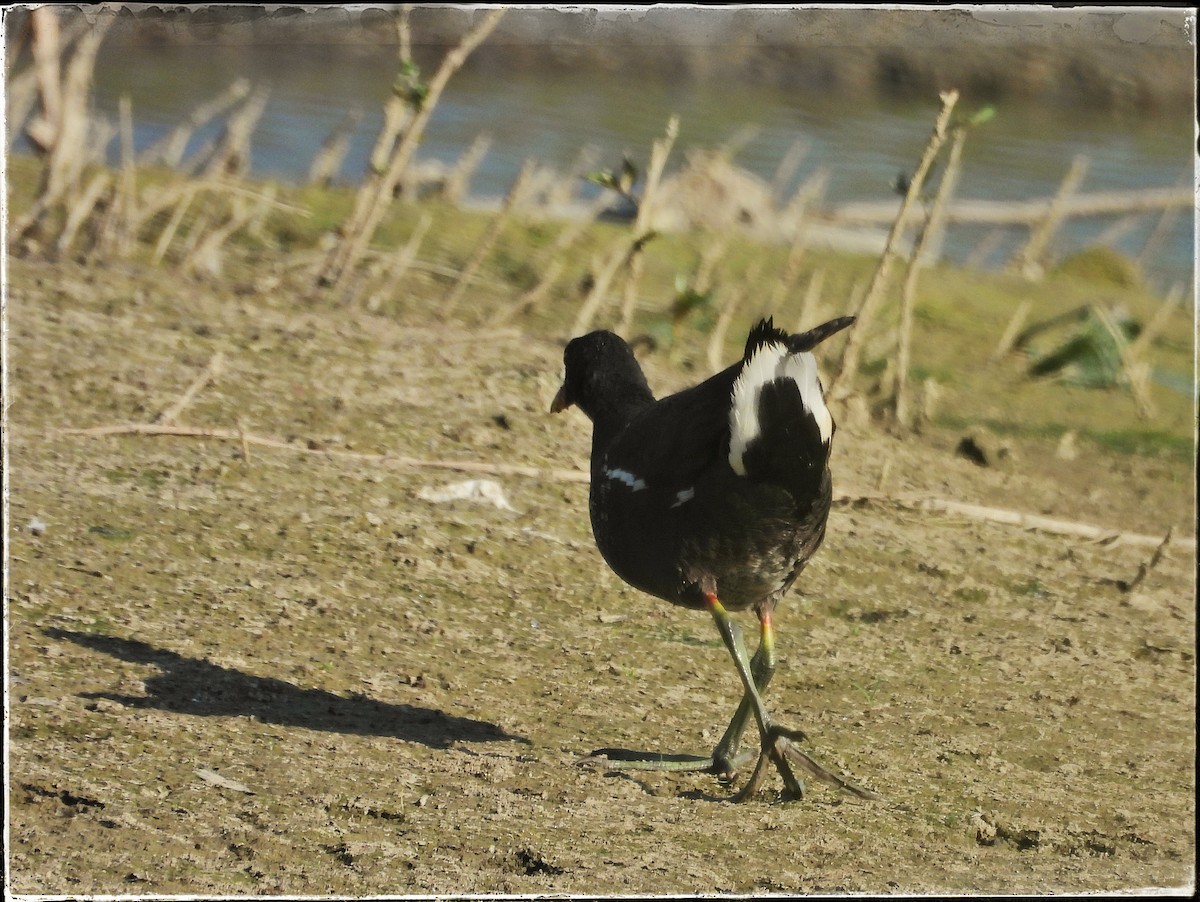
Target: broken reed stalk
x,y
395,114
787,168
806,195
1145,567
46,49
791,271
22,95
60,129
169,149
395,266
231,154
168,233
128,202
1028,261
512,202
600,284
328,158
712,254
81,209
918,503
204,252
1005,344
180,190
930,234
1137,371
215,364
624,249
1165,221
455,186
984,249
856,337
1140,345
358,232
642,231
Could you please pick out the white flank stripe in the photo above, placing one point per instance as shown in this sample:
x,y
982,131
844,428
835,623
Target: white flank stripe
x,y
683,496
626,477
771,362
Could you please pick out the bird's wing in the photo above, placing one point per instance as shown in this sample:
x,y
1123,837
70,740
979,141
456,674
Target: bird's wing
x,y
675,441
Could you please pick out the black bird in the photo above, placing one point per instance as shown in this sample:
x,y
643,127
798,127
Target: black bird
x,y
713,499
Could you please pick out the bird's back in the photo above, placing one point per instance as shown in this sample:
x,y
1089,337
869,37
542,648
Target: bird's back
x,y
723,487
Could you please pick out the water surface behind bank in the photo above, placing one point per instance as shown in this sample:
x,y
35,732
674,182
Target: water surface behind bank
x,y
552,114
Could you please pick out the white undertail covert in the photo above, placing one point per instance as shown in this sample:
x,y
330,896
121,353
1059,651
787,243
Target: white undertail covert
x,y
770,362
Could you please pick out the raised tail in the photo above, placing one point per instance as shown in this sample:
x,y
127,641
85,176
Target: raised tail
x,y
779,427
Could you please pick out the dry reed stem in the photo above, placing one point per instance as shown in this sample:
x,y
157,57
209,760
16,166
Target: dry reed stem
x,y
625,250
1033,522
1028,261
22,96
633,279
1025,212
231,155
394,267
81,209
1137,371
70,148
211,372
987,244
806,195
512,202
128,204
716,341
659,151
787,168
1115,231
714,251
169,149
806,318
1140,345
328,158
46,49
459,179
60,129
866,312
930,234
1145,567
358,232
186,196
206,248
1157,234
621,249
1005,344
241,428
791,271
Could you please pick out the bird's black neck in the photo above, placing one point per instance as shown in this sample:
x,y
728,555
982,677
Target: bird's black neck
x,y
612,411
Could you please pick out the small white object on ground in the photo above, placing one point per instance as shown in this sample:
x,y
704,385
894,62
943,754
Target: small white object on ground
x,y
477,490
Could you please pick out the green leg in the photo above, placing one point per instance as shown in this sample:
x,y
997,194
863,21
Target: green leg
x,y
778,743
774,740
762,668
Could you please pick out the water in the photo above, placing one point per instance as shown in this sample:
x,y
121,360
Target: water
x,y
1020,154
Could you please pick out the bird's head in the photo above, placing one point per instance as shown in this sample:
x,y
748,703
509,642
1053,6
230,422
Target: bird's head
x,y
600,374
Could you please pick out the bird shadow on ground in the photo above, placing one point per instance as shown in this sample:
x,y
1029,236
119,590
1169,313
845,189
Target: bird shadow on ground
x,y
198,687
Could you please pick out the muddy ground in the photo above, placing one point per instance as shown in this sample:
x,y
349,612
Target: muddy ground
x,y
288,673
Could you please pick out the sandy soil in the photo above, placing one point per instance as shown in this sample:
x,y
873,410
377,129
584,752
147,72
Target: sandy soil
x,y
290,673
